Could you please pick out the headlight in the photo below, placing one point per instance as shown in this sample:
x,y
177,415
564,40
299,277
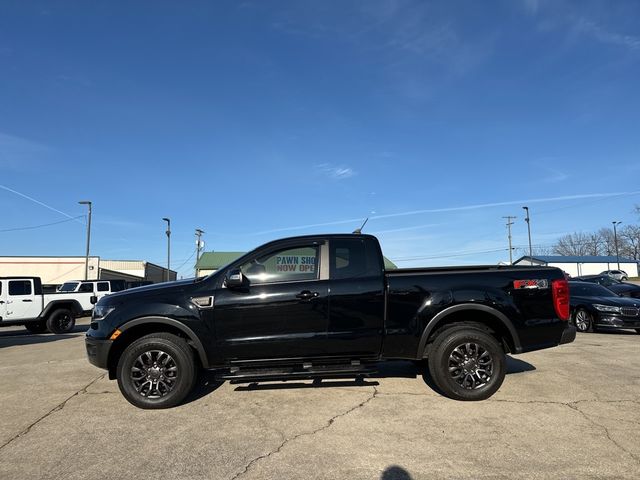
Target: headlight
x,y
607,308
101,311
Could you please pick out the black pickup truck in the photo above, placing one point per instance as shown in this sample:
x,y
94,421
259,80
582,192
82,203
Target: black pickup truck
x,y
324,306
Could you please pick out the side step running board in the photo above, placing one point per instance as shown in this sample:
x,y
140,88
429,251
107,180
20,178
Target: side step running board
x,y
264,374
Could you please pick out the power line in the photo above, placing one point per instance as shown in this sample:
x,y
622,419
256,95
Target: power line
x,y
41,226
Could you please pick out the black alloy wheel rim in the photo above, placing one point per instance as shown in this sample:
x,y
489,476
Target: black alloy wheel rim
x,y
583,320
63,322
470,365
154,374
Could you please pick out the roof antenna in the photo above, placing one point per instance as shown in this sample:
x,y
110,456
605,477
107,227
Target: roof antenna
x,y
358,231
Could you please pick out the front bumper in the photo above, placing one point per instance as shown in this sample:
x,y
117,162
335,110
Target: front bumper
x,y
568,335
611,321
98,351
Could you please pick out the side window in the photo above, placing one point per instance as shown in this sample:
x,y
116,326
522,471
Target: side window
x,y
103,286
86,287
19,287
290,265
350,258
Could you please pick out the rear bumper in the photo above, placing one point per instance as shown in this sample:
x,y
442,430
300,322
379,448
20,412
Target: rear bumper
x,y
98,351
568,335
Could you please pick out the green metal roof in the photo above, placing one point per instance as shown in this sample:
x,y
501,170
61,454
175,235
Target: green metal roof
x,y
216,260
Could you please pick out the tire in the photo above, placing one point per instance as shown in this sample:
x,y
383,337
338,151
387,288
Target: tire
x,y
583,320
61,321
156,371
638,331
456,362
36,327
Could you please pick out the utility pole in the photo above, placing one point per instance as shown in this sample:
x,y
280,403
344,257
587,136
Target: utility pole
x,y
199,246
615,241
527,219
509,223
168,232
86,259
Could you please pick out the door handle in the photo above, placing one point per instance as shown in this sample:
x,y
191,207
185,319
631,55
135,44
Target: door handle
x,y
1,302
307,295
27,300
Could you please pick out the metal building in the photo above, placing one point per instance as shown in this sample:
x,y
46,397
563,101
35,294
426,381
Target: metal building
x,y
582,265
52,270
57,270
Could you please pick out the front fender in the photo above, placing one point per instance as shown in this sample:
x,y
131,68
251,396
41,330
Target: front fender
x,y
191,335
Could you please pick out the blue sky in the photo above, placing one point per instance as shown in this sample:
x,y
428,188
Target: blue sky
x,y
255,120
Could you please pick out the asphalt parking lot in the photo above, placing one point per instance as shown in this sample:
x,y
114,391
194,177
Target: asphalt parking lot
x,y
567,412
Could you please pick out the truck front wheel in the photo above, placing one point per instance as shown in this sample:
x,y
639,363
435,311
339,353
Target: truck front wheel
x,y
467,363
156,371
61,321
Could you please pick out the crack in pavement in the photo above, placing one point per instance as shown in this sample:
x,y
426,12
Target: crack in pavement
x,y
606,431
248,466
57,408
574,406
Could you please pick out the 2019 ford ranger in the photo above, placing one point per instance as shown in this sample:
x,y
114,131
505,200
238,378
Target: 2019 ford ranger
x,y
323,306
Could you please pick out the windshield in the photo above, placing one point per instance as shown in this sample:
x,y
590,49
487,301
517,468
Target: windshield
x,y
68,287
590,290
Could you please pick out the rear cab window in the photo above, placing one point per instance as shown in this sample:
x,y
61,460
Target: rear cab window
x,y
354,258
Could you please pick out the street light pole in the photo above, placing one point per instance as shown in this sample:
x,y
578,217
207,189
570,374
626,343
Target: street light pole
x,y
168,220
86,259
527,219
615,241
198,247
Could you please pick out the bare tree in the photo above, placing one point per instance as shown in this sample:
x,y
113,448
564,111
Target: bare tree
x,y
630,237
573,244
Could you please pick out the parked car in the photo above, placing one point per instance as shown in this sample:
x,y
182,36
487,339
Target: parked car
x,y
319,306
617,274
594,306
22,302
99,288
621,288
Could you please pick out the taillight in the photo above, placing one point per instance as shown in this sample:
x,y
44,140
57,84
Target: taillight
x,y
560,289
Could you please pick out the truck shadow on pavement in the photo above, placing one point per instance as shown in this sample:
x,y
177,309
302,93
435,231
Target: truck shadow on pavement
x,y
393,369
18,337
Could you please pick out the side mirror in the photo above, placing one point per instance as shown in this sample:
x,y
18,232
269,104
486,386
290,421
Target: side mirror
x,y
234,278
93,299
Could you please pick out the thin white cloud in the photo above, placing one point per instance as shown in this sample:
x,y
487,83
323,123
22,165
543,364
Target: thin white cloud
x,y
340,172
462,208
604,35
31,199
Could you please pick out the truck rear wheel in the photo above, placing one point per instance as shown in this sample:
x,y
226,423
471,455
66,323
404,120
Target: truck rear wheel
x,y
467,363
61,321
156,371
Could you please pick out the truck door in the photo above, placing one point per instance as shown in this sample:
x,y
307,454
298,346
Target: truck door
x,y
21,302
356,311
283,311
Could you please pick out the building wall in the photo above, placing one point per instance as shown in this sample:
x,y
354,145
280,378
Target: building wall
x,y
135,268
204,272
52,270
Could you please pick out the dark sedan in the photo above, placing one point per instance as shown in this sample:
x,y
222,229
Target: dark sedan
x,y
594,306
621,288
